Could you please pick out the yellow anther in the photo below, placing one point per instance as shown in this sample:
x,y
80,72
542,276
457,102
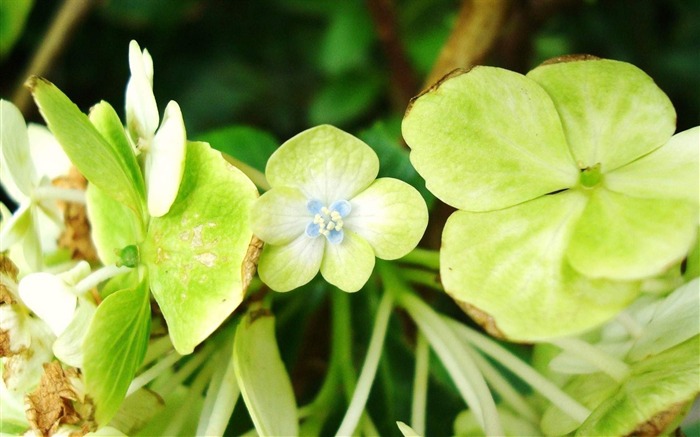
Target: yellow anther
x,y
325,210
335,216
330,225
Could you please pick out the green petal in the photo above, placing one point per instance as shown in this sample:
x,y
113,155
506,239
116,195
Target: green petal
x,y
510,264
390,215
292,265
349,264
669,172
325,163
14,145
625,238
280,215
612,112
488,139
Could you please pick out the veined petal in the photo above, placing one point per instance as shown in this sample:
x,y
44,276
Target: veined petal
x,y
280,215
49,298
325,163
141,108
488,139
612,112
627,238
670,172
165,162
14,146
47,154
349,264
292,265
390,215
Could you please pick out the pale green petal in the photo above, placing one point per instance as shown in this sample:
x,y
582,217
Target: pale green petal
x,y
510,264
14,146
165,162
292,265
15,228
280,215
669,172
349,264
390,215
488,139
612,112
325,163
49,298
626,238
141,108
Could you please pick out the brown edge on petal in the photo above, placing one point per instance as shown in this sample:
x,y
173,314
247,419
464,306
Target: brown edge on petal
x,y
9,270
569,58
250,262
51,404
452,74
482,318
659,423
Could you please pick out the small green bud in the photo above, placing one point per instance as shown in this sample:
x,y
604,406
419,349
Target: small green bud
x,y
129,256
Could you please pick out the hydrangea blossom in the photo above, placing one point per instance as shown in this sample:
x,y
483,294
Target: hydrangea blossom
x,y
163,148
31,158
325,211
570,186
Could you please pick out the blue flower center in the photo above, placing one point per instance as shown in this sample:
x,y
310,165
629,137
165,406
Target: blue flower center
x,y
327,220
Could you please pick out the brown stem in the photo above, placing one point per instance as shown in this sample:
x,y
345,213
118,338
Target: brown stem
x,y
478,27
403,78
55,41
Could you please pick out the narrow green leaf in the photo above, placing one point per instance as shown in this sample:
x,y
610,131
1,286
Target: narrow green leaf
x,y
264,382
91,153
114,348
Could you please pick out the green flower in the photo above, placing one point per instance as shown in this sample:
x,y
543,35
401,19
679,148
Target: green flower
x,y
327,212
570,189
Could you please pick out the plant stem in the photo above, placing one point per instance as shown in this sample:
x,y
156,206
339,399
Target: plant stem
x,y
420,385
421,277
369,368
196,389
607,364
98,276
222,394
156,349
48,192
427,258
152,373
538,382
632,326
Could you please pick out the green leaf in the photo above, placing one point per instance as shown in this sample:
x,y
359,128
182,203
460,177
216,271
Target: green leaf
x,y
249,145
114,347
13,17
113,225
348,39
95,157
510,264
345,99
487,139
264,382
195,254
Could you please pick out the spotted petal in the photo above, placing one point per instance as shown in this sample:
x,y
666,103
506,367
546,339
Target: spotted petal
x,y
325,163
280,215
349,264
612,112
390,215
292,265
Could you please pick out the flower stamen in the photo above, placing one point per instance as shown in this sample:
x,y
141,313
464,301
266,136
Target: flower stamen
x,y
328,220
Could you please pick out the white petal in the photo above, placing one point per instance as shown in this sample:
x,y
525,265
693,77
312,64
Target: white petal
x,y
165,162
141,108
292,265
48,155
18,174
16,227
49,298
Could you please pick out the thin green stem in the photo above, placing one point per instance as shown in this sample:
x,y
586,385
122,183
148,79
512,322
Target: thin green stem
x,y
420,385
156,349
423,257
167,386
369,368
222,394
49,192
152,373
529,375
422,277
99,276
632,326
196,389
611,366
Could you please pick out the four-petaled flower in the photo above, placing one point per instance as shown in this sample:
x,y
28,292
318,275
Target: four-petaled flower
x,y
325,211
163,149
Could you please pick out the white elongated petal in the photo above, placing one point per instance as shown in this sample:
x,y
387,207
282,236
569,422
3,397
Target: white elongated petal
x,y
47,154
49,298
292,265
349,264
165,162
68,347
141,108
280,215
16,227
391,215
18,174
